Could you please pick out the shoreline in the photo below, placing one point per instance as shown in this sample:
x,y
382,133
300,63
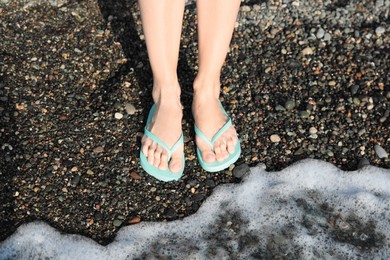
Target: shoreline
x,y
296,85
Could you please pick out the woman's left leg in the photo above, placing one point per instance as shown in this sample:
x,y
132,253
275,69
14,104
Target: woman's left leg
x,y
216,21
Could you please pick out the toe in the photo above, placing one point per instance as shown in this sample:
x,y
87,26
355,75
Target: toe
x,y
164,161
224,151
157,156
218,151
151,151
208,156
146,142
175,164
230,145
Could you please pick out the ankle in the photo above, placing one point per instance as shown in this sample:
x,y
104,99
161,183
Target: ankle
x,y
205,88
166,92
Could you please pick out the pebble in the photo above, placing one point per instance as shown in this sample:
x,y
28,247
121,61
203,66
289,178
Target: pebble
x,y
313,130
363,162
380,152
90,172
118,115
354,89
76,179
275,138
307,51
320,33
98,149
304,114
130,109
380,30
279,108
241,170
332,83
117,223
327,37
134,220
135,176
290,104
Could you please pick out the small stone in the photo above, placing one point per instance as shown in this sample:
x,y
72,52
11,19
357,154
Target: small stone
x,y
118,115
134,220
197,197
299,151
380,30
117,222
241,170
363,162
76,179
332,83
320,33
245,8
130,109
211,183
171,213
98,149
356,101
158,198
313,130
74,169
307,51
275,138
135,176
90,172
327,37
153,189
380,151
304,114
354,89
279,108
290,104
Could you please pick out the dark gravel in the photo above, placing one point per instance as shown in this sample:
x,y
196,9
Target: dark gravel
x,y
301,80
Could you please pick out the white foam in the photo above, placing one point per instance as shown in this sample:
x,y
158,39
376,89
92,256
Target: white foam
x,y
310,210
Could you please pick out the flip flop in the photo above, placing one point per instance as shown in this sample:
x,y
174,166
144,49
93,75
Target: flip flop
x,y
216,165
162,175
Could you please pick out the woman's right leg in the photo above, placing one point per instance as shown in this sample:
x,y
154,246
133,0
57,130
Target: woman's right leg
x,y
162,23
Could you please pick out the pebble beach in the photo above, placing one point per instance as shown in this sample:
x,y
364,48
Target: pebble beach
x,y
302,79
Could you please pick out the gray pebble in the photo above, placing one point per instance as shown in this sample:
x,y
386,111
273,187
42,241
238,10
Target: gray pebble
x,y
381,152
117,222
320,33
380,30
327,37
130,109
241,170
363,162
290,104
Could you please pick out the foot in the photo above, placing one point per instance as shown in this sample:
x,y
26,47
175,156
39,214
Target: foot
x,y
209,118
166,125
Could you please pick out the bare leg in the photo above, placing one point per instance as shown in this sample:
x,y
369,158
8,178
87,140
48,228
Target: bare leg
x,y
162,23
216,20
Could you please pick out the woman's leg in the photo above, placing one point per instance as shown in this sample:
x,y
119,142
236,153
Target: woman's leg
x,y
162,23
216,20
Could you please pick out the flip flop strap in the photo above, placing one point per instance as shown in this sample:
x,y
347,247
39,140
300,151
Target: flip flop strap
x,y
160,142
215,137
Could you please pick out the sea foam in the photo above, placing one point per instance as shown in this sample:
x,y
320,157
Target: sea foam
x,y
310,210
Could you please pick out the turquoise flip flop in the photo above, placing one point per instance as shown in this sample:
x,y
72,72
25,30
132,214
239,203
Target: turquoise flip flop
x,y
162,175
216,165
